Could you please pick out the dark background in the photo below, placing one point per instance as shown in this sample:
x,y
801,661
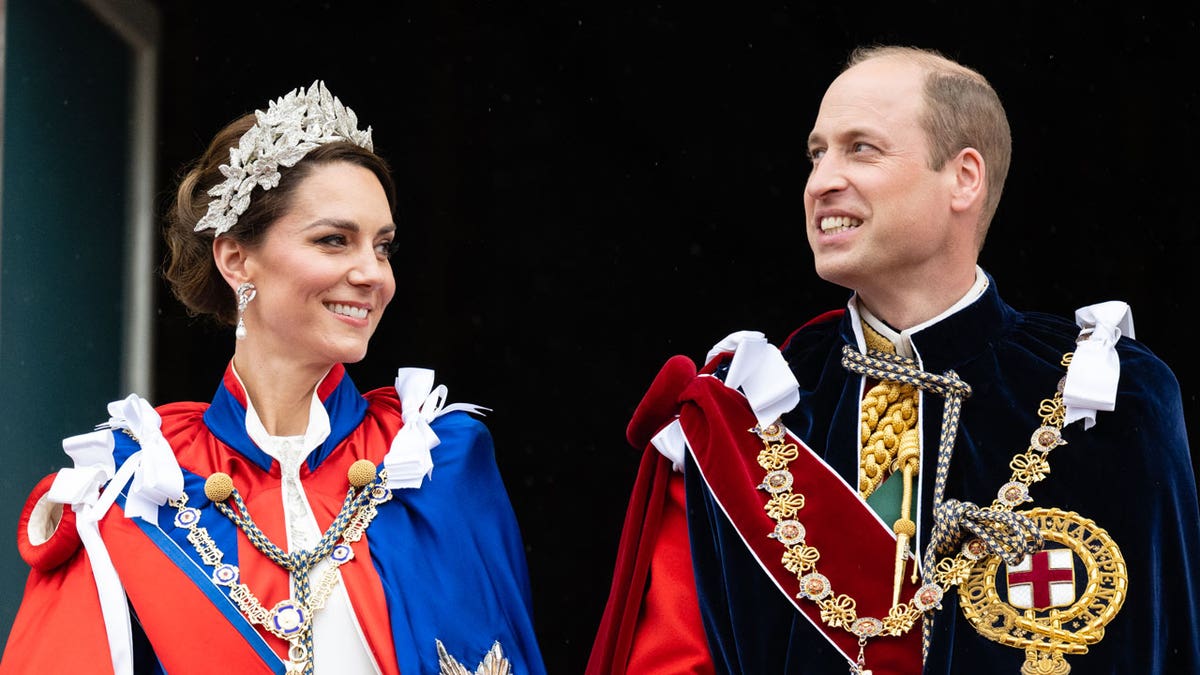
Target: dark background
x,y
586,190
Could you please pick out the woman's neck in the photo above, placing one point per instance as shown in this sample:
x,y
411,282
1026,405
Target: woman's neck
x,y
281,391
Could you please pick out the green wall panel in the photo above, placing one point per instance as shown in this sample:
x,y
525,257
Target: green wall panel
x,y
67,80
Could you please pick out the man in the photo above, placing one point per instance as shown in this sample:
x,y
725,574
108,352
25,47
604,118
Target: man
x,y
928,481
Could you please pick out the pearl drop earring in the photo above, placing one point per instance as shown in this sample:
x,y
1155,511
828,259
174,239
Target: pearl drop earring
x,y
245,293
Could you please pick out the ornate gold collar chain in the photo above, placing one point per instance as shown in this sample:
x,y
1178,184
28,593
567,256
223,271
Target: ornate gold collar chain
x,y
997,529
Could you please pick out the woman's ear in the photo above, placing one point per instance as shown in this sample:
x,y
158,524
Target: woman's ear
x,y
230,257
970,174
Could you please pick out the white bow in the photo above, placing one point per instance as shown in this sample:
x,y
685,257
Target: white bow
x,y
157,477
1095,368
92,454
80,486
761,373
409,461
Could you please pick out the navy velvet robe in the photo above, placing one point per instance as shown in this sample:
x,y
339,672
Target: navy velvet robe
x,y
1131,473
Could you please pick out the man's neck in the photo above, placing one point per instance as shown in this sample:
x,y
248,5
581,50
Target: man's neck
x,y
902,312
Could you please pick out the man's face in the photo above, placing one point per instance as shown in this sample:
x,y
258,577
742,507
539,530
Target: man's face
x,y
877,214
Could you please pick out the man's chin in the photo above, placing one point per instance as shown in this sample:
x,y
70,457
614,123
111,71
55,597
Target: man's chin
x,y
840,272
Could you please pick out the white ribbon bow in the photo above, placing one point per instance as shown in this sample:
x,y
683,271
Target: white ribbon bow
x,y
92,454
1095,368
761,373
156,477
409,461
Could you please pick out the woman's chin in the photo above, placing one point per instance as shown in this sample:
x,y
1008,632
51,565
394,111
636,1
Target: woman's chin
x,y
353,355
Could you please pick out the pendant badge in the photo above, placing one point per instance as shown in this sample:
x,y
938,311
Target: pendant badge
x,y
1048,608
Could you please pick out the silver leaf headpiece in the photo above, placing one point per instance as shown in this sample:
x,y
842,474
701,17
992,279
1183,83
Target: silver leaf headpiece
x,y
282,136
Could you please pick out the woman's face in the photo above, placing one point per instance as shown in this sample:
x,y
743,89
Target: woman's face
x,y
322,270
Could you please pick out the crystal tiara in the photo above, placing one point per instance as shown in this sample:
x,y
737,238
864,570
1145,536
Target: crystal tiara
x,y
291,127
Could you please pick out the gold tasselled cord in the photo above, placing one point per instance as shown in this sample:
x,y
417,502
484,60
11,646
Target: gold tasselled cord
x,y
891,442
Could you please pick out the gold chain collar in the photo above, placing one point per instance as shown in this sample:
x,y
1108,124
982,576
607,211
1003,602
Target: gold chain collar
x,y
839,610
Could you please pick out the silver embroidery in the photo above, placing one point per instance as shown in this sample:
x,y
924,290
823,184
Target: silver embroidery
x,y
493,663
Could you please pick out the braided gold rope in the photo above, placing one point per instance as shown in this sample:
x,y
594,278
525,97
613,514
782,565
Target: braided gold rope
x,y
888,423
888,430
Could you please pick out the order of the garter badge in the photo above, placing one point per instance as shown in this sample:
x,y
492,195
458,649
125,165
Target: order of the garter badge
x,y
1055,602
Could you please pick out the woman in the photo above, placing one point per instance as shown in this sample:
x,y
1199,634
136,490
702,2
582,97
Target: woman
x,y
292,525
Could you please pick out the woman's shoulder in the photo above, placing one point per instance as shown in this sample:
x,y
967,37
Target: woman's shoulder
x,y
428,427
383,401
180,415
415,394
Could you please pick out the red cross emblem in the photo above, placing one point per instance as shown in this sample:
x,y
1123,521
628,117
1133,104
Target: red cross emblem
x,y
1044,580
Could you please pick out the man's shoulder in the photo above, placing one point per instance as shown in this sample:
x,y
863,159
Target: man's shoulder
x,y
1138,360
816,332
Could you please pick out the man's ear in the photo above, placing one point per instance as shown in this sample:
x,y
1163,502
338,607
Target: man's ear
x,y
970,174
230,257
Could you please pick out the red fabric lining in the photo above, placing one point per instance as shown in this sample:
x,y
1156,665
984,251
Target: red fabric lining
x,y
643,521
324,388
670,633
63,541
158,579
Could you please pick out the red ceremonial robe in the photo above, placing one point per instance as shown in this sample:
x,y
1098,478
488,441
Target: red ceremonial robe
x,y
716,421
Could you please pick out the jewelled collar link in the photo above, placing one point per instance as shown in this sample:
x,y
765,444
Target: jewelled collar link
x,y
997,529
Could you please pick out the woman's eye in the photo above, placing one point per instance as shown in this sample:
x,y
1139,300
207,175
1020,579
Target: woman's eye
x,y
387,248
333,240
